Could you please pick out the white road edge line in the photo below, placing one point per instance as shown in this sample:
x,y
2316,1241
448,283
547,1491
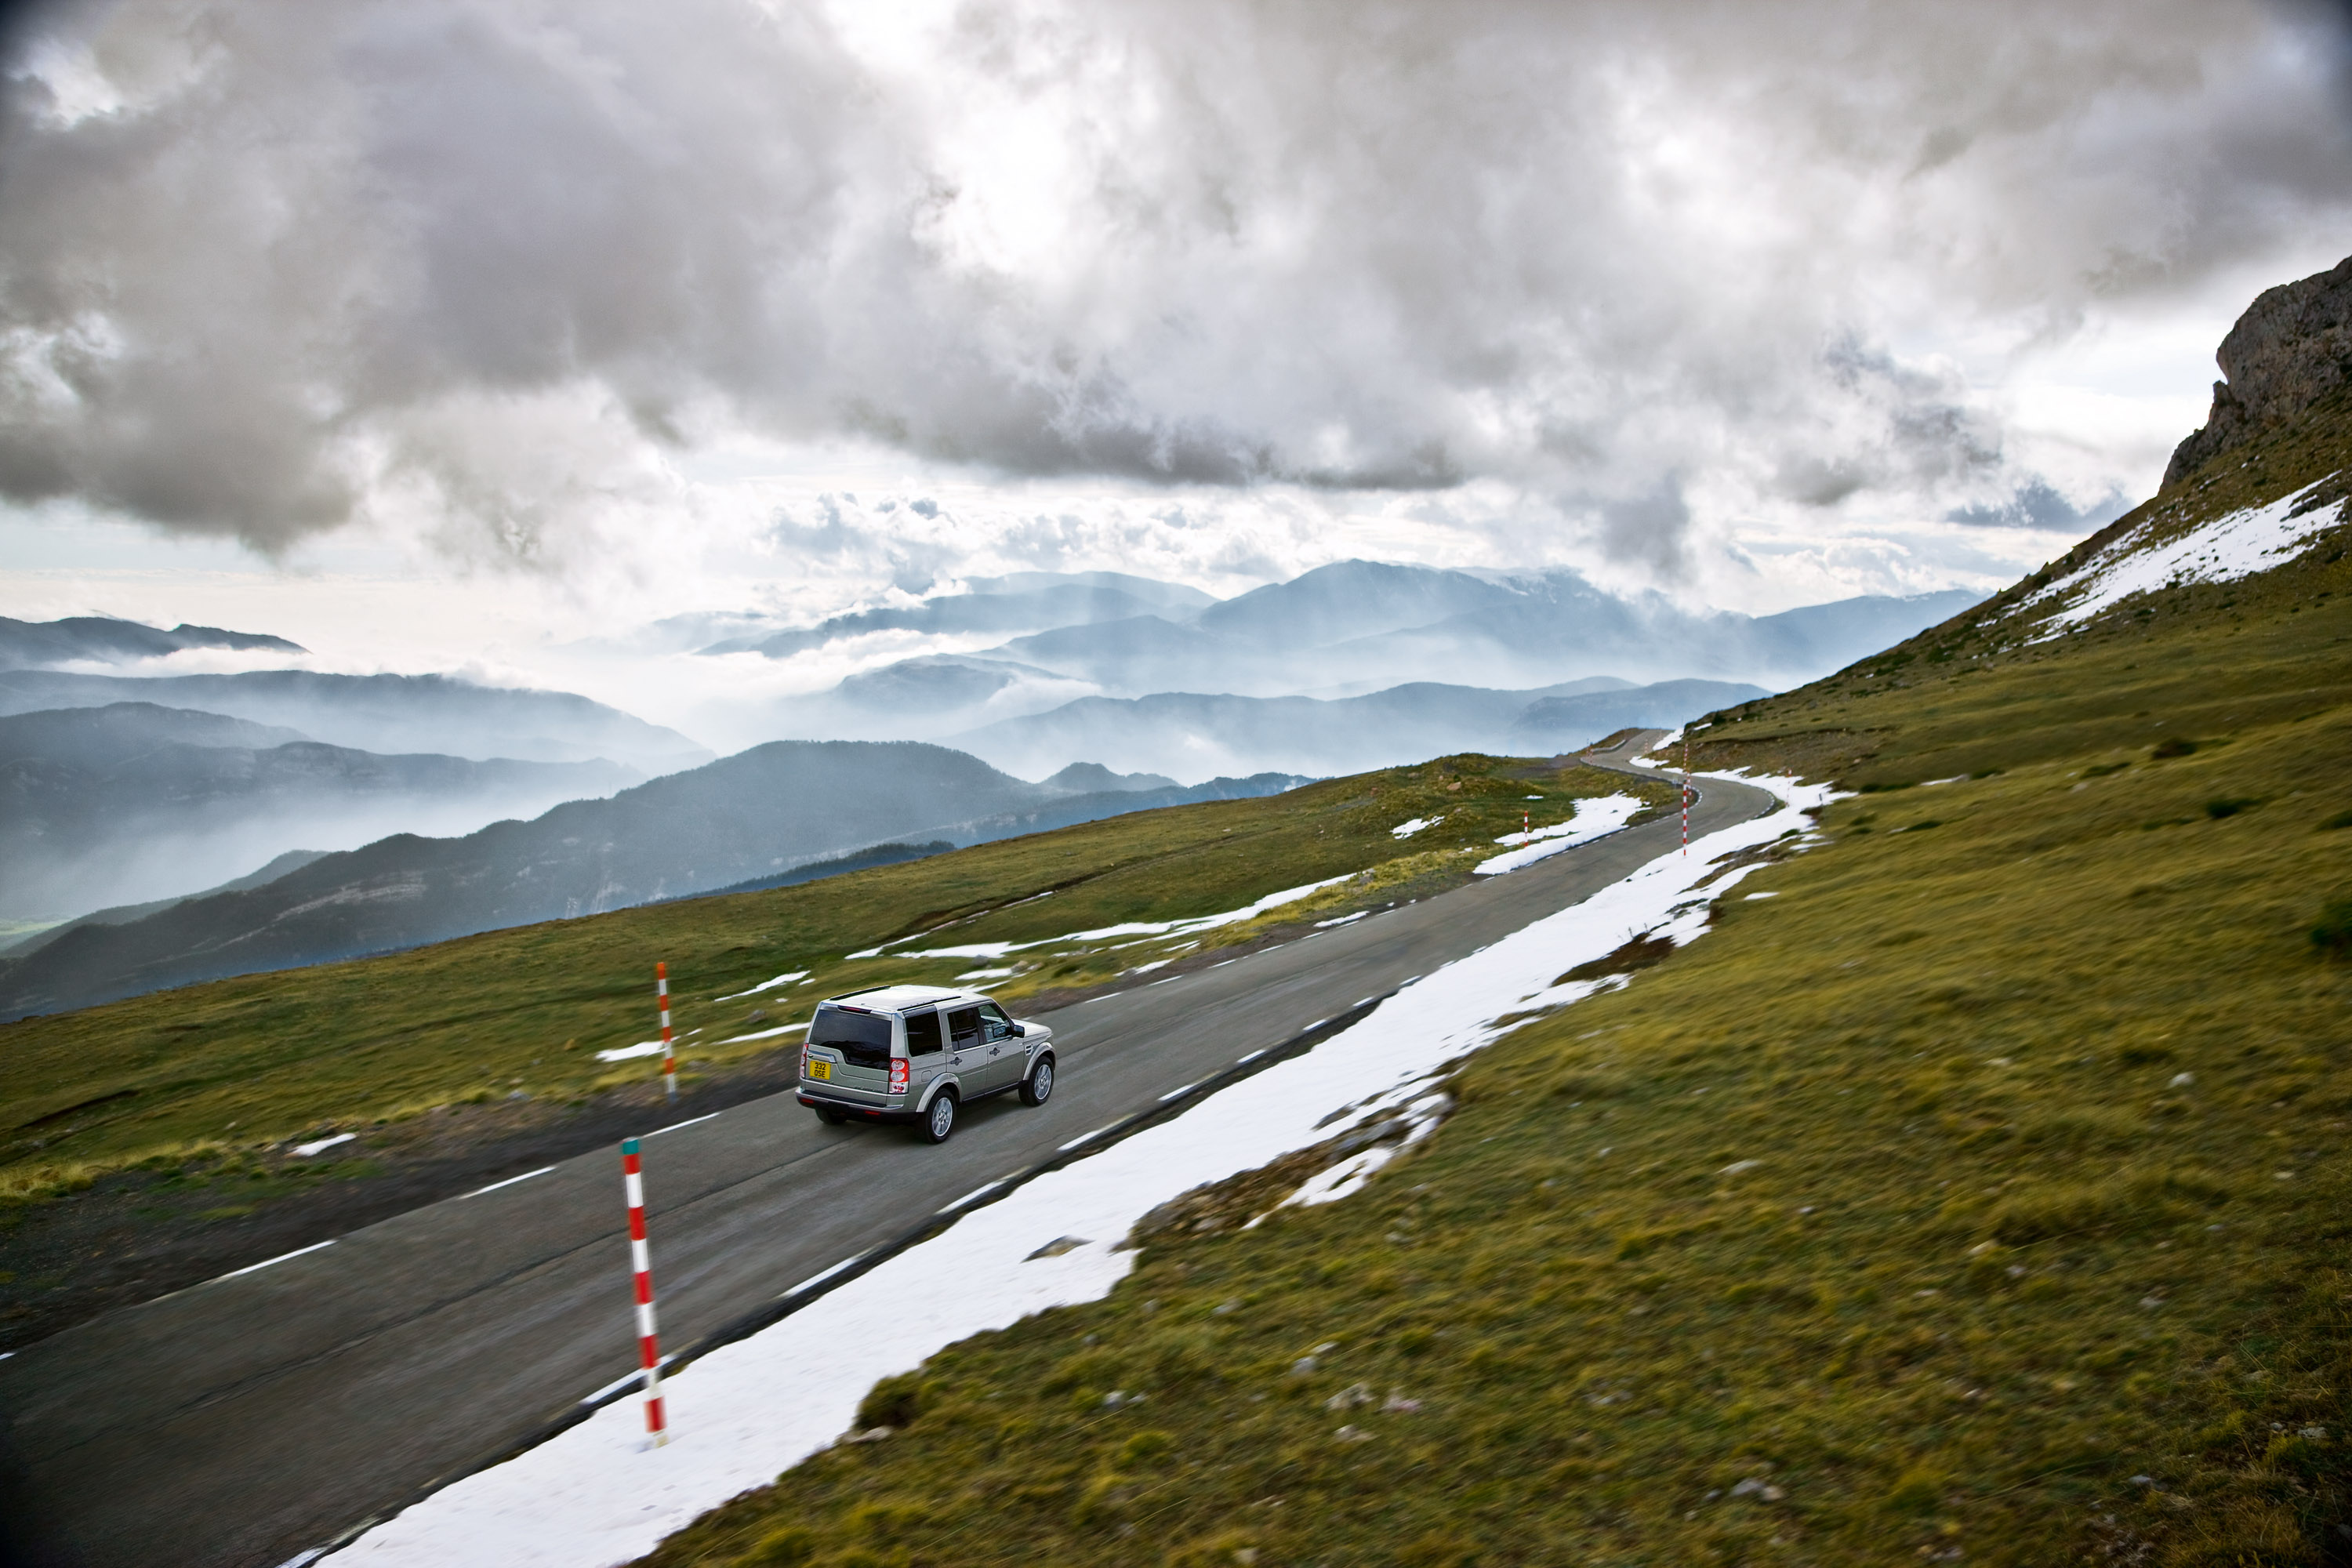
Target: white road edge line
x,y
1083,1138
660,1131
267,1261
619,1383
1178,1093
510,1182
975,1192
823,1275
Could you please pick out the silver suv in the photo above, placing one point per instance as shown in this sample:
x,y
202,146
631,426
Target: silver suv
x,y
918,1053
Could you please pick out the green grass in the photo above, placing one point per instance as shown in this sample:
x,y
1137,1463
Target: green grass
x,y
183,1077
2040,1257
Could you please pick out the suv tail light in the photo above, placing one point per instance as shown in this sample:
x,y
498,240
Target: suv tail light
x,y
898,1075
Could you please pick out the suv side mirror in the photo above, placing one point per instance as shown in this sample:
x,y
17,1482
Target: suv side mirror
x,y
1020,1029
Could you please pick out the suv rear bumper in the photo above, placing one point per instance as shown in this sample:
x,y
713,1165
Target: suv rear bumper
x,y
852,1108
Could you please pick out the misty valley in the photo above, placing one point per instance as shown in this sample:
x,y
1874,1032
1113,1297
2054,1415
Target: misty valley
x,y
161,827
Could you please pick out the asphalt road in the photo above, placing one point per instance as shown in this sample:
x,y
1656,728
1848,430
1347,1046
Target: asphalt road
x,y
246,1419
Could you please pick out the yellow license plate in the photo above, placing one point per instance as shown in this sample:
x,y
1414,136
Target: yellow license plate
x,y
820,1069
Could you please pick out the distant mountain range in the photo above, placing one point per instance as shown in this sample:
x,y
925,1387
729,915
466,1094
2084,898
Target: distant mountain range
x,y
1068,644
383,714
1024,601
134,802
1181,733
82,639
123,914
753,816
154,787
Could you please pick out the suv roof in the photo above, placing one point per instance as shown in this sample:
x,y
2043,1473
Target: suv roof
x,y
895,998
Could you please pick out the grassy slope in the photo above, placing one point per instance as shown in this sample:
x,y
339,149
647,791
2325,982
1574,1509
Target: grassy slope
x,y
2042,1259
237,1065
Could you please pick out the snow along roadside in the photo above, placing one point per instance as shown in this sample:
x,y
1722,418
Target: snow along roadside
x,y
593,1495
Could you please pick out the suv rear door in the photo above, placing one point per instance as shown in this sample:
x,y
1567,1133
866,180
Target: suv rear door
x,y
926,1052
853,1045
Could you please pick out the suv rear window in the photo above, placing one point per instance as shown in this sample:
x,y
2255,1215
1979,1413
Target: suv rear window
x,y
860,1037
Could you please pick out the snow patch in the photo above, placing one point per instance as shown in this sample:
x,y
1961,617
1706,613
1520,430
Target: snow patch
x,y
624,1053
595,1494
304,1151
2238,546
794,978
1407,830
1131,928
1592,819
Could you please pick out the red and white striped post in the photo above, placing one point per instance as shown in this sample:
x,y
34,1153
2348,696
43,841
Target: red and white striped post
x,y
641,1262
669,1052
1685,811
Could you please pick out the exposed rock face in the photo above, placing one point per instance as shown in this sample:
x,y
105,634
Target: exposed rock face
x,y
2291,348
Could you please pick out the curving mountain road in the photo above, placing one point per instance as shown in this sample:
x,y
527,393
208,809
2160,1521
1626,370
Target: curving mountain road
x,y
262,1414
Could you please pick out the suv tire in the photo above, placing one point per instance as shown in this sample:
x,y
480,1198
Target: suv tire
x,y
939,1120
1038,1087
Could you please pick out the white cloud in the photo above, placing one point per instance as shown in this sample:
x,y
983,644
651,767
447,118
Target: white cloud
x,y
1746,298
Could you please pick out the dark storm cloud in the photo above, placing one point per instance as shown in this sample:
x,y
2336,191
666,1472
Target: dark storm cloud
x,y
266,263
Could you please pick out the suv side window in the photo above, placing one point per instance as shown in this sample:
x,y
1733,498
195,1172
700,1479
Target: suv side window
x,y
963,1029
923,1035
993,1021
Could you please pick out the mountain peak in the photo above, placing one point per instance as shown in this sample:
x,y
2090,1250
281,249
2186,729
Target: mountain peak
x,y
2291,348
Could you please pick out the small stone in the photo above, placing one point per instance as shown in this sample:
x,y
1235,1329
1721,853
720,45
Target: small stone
x,y
1226,1309
1398,1405
2181,1080
1737,1166
871,1435
1058,1245
1352,1435
1302,1366
1348,1398
2143,1480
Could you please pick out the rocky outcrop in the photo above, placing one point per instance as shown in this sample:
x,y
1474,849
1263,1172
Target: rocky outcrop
x,y
2291,348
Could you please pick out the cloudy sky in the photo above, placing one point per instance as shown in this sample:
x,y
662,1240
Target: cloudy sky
x,y
428,330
